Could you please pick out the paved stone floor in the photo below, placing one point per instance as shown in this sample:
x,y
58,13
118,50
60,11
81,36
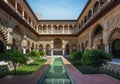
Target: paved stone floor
x,y
78,77
89,79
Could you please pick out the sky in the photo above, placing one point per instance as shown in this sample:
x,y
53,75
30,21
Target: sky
x,y
58,9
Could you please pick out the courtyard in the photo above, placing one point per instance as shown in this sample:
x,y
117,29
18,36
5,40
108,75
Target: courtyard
x,y
60,42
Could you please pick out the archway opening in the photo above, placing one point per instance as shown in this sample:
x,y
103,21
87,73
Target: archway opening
x,y
1,47
48,49
57,47
116,48
40,47
74,48
67,49
97,38
28,46
17,38
101,46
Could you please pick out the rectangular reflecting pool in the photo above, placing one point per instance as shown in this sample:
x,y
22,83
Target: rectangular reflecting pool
x,y
56,74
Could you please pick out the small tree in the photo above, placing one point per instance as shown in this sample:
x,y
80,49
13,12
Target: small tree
x,y
15,57
95,58
77,55
2,56
42,53
34,55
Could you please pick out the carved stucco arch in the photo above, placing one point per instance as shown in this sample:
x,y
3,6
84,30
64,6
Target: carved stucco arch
x,y
113,25
93,31
116,29
3,35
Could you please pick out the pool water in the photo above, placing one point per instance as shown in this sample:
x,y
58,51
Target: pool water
x,y
57,73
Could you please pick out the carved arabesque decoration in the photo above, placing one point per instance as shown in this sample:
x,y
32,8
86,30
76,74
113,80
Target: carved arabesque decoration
x,y
113,27
6,21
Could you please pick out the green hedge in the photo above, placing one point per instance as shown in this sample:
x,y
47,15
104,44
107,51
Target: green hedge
x,y
77,55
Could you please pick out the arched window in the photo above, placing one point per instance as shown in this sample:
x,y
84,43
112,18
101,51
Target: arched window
x,y
116,48
33,46
85,19
67,49
74,47
90,14
48,49
25,15
60,28
82,23
97,36
40,29
66,28
49,28
57,43
96,7
98,30
41,47
44,28
19,8
12,2
102,2
29,20
55,28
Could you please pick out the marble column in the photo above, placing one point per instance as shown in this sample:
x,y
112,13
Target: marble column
x,y
24,50
52,29
23,14
51,51
107,48
47,29
30,49
63,29
44,50
16,6
8,47
63,51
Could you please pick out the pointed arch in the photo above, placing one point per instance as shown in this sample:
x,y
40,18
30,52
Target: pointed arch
x,y
41,47
48,49
67,49
96,7
116,48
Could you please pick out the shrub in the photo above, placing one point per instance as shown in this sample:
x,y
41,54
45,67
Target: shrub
x,y
15,57
77,55
2,56
72,54
95,58
35,55
42,53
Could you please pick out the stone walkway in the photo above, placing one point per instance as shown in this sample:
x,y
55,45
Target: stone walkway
x,y
89,79
78,77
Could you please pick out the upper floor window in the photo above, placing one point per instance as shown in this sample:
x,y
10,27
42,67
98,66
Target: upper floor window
x,y
25,15
96,7
102,2
19,8
12,2
90,14
85,19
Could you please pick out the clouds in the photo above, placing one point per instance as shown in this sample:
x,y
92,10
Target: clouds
x,y
58,9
